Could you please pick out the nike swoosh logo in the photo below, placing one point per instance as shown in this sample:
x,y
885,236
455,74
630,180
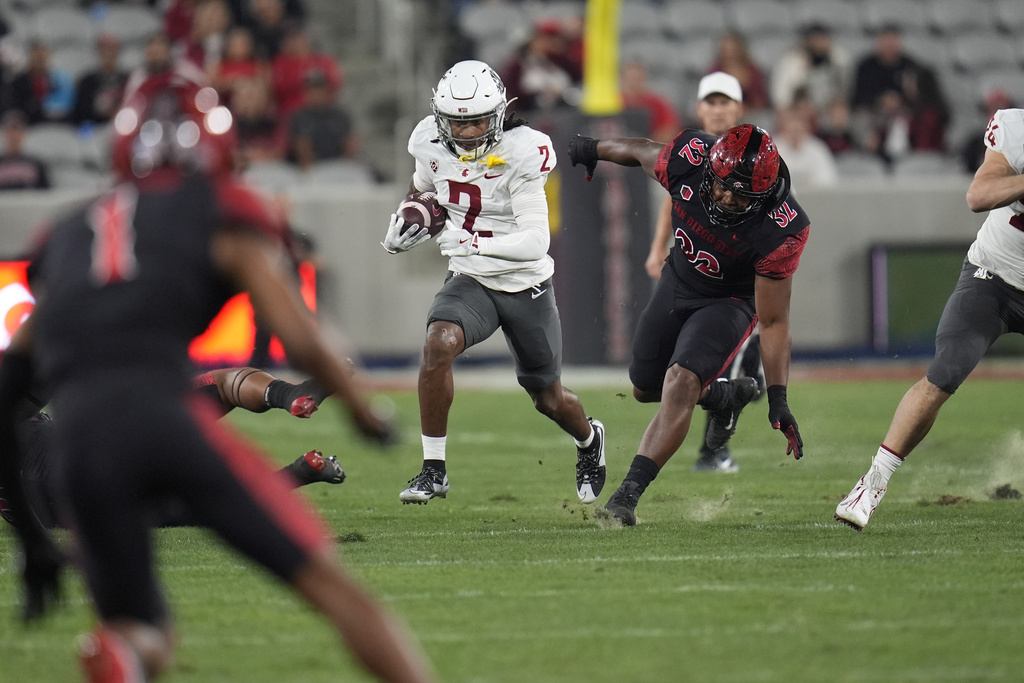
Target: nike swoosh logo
x,y
492,177
534,294
463,241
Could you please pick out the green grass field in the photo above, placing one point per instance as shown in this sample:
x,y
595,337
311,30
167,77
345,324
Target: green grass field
x,y
742,577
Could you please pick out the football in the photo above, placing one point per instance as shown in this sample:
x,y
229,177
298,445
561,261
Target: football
x,y
422,209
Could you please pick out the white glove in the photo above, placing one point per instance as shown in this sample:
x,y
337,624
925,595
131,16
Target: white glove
x,y
458,243
395,242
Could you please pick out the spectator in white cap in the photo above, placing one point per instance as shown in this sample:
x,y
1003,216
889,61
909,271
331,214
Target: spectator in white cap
x,y
719,108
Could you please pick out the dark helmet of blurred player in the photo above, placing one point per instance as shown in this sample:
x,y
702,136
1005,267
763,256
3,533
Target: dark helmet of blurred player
x,y
469,93
744,162
171,121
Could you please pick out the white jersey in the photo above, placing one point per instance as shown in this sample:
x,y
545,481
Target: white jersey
x,y
999,246
478,197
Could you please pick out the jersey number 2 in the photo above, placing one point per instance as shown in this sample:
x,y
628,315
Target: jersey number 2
x,y
455,192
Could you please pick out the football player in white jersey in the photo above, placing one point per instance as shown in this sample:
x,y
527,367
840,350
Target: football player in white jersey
x,y
488,171
987,303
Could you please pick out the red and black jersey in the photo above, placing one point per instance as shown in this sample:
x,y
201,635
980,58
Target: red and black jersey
x,y
711,261
129,279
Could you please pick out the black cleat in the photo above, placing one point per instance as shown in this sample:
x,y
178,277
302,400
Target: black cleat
x,y
722,423
715,461
622,504
590,466
429,483
313,467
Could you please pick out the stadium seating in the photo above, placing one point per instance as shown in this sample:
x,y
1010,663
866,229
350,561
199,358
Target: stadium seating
x,y
59,26
762,17
694,18
860,165
841,16
273,176
917,164
54,143
343,172
954,17
131,24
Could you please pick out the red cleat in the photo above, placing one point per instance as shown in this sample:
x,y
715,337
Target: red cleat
x,y
106,658
303,406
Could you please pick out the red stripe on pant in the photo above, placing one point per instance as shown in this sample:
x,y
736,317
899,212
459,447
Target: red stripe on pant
x,y
269,488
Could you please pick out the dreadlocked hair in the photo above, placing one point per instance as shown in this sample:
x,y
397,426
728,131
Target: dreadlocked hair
x,y
513,120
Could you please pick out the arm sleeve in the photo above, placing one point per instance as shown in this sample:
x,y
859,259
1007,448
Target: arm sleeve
x,y
530,243
783,262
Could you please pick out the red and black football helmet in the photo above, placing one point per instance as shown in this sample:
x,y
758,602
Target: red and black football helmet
x,y
171,120
743,161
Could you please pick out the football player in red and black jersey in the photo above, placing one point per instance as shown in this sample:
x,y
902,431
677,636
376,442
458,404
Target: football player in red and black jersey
x,y
229,388
124,286
738,235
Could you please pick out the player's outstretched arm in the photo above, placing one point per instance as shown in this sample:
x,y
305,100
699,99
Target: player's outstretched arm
x,y
622,151
258,268
772,299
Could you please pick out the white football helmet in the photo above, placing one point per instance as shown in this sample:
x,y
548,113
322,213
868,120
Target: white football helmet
x,y
469,90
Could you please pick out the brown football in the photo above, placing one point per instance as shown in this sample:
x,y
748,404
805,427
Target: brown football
x,y
422,209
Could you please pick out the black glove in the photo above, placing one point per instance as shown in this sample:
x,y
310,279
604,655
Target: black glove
x,y
583,150
41,564
781,418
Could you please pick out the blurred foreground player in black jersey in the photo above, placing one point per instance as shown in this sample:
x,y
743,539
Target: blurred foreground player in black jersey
x,y
738,235
123,287
229,388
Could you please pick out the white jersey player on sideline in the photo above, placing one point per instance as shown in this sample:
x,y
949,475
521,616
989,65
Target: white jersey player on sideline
x,y
988,302
488,171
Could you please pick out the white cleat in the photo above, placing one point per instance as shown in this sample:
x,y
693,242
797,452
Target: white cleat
x,y
858,506
424,486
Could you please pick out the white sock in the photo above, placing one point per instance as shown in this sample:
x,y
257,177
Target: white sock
x,y
433,447
884,464
589,440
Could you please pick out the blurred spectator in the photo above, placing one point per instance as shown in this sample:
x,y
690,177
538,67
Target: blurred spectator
x,y
816,67
41,92
321,129
244,11
157,58
289,69
18,171
239,63
544,72
809,159
834,129
734,59
98,92
929,111
888,132
883,70
662,119
204,44
269,25
261,137
972,149
178,19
